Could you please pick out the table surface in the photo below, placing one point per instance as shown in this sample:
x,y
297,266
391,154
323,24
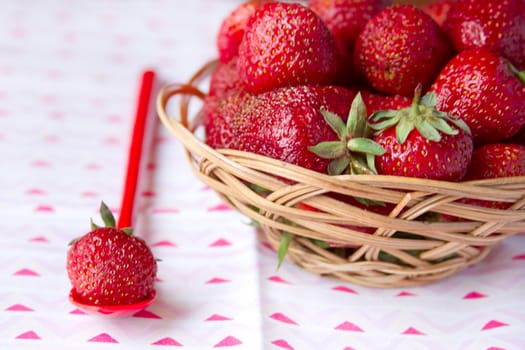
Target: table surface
x,y
69,74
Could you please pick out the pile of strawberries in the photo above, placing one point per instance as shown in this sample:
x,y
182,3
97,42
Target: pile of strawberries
x,y
372,87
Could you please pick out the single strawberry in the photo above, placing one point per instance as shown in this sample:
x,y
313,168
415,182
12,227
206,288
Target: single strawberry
x,y
285,122
497,160
399,48
482,88
232,30
286,44
109,266
346,18
224,97
495,24
438,10
377,102
422,142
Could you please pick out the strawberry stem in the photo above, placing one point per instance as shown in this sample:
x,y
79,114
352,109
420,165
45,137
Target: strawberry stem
x,y
414,109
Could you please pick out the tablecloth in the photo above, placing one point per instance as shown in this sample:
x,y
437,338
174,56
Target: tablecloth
x,y
69,73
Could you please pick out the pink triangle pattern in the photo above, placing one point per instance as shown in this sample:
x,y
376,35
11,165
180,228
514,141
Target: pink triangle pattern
x,y
493,324
19,307
146,314
344,289
405,294
277,279
167,342
103,338
519,257
77,312
28,335
349,327
412,331
42,208
40,239
35,191
221,242
216,317
228,341
348,348
496,348
474,295
220,207
282,318
217,280
282,344
26,272
164,243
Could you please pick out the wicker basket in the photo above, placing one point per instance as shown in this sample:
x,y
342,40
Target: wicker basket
x,y
405,249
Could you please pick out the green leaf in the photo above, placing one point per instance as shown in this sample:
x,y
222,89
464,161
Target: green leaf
x,y
385,122
386,114
370,202
429,99
93,225
428,131
442,125
328,149
286,238
403,129
364,145
461,124
356,123
338,165
335,122
371,162
107,215
320,244
128,231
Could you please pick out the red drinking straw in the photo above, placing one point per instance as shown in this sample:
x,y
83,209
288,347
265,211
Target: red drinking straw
x,y
136,149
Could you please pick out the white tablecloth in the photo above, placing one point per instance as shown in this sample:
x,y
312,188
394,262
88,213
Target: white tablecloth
x,y
69,74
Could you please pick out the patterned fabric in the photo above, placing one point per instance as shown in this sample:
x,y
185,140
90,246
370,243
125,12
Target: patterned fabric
x,y
69,72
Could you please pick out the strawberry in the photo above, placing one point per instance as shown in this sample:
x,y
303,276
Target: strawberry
x,y
378,102
224,97
482,88
399,48
346,18
493,161
285,122
109,266
495,24
497,160
286,44
422,142
232,30
438,10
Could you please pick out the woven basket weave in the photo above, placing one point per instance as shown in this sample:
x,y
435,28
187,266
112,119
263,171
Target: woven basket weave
x,y
405,249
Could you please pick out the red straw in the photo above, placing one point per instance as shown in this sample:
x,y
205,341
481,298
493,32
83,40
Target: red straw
x,y
136,150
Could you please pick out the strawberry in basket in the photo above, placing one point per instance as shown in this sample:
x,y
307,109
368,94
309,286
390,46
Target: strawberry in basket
x,y
486,91
423,142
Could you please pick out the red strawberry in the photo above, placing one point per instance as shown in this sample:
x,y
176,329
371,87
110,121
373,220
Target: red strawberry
x,y
497,160
286,44
232,29
284,123
399,48
346,18
495,24
438,10
481,88
492,161
378,102
422,142
109,266
225,95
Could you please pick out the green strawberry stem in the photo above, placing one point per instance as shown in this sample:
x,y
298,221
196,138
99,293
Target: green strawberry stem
x,y
354,152
519,74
